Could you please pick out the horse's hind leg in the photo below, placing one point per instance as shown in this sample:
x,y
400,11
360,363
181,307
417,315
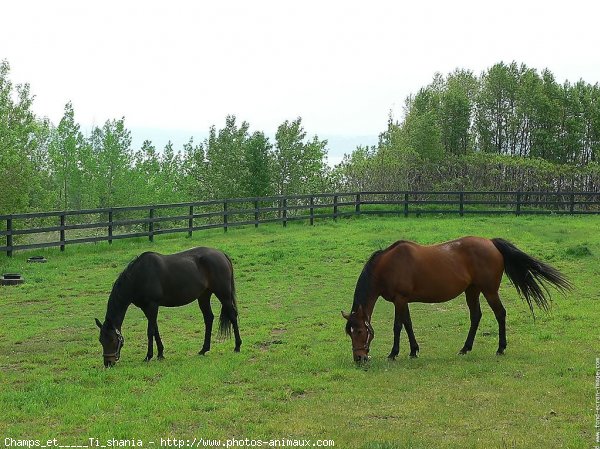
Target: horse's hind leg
x,y
493,300
228,316
233,318
414,346
472,294
207,314
236,334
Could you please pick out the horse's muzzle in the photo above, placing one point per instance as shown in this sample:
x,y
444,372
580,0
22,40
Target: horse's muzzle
x,y
110,362
361,358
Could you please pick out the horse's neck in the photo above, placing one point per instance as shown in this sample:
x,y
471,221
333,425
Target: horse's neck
x,y
369,306
116,309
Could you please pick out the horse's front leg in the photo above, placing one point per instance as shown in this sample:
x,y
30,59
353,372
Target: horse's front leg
x,y
150,333
151,313
397,329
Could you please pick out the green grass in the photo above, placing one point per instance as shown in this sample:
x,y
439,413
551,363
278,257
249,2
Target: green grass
x,y
295,376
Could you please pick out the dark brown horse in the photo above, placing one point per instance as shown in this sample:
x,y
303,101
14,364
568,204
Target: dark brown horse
x,y
153,280
407,272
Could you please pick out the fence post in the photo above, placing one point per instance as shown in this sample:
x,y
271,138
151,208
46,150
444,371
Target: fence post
x,y
572,205
312,210
284,202
335,207
256,213
406,204
462,203
518,211
151,226
110,226
9,237
357,206
225,216
62,231
191,221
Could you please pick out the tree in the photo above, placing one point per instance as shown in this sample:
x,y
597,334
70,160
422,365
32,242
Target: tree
x,y
111,147
457,104
20,135
299,165
258,166
66,150
170,183
225,154
194,170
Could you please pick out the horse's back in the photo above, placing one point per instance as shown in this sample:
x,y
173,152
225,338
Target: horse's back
x,y
176,279
434,273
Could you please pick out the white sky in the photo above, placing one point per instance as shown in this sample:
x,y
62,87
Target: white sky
x,y
174,68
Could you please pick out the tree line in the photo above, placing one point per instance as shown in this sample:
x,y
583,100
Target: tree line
x,y
511,128
44,166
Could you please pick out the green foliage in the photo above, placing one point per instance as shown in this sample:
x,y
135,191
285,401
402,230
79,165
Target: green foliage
x,y
225,153
111,147
259,166
69,155
21,138
510,128
299,164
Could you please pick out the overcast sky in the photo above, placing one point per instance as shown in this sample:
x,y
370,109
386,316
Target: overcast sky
x,y
175,68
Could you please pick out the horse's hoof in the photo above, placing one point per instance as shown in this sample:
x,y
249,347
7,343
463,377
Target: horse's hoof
x,y
147,359
391,358
463,351
203,351
414,356
500,352
160,357
236,349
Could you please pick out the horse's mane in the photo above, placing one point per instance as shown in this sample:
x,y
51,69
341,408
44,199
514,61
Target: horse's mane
x,y
119,289
125,274
363,285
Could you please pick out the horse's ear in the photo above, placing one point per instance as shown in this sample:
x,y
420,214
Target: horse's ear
x,y
346,315
98,323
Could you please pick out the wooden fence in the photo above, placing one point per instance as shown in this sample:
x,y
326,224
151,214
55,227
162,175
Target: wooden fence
x,y
62,228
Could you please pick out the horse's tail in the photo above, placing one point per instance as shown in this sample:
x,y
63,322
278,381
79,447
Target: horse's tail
x,y
229,307
529,275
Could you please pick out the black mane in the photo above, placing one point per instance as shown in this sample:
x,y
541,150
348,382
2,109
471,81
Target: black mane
x,y
119,298
363,285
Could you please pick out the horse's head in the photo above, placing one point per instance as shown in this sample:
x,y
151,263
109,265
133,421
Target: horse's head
x,y
112,341
360,331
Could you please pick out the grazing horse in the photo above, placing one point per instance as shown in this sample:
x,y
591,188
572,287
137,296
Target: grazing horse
x,y
153,280
407,272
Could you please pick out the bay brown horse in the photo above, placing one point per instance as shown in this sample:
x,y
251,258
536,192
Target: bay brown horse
x,y
407,272
153,280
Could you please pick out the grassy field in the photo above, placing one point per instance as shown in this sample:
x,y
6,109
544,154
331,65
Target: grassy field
x,y
295,377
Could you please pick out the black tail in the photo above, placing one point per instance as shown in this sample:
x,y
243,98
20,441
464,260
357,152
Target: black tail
x,y
228,309
529,275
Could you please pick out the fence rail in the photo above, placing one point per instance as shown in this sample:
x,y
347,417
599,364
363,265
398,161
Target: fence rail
x,y
62,228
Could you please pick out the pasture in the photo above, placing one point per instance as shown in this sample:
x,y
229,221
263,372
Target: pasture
x,y
294,376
